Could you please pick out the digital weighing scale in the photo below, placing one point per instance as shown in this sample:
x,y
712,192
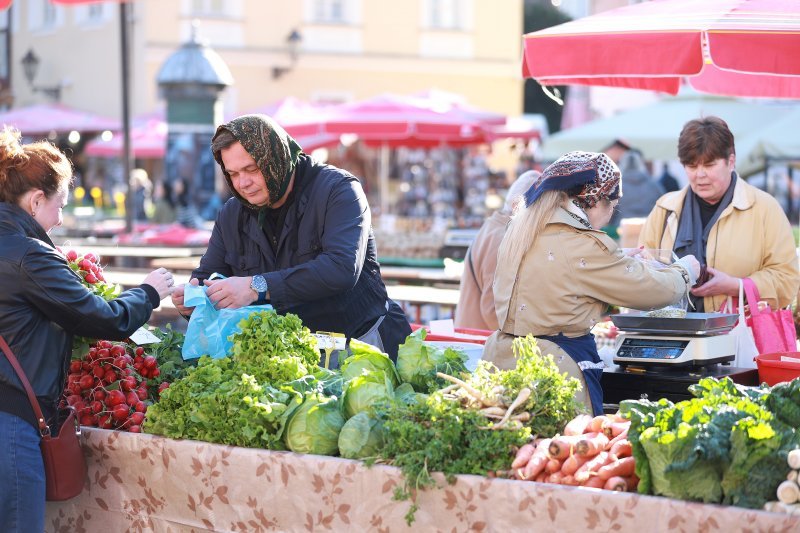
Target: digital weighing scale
x,y
698,339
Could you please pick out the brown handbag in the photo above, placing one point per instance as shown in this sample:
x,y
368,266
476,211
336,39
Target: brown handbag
x,y
64,463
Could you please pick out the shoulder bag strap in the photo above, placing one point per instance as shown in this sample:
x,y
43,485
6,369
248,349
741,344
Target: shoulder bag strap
x,y
43,429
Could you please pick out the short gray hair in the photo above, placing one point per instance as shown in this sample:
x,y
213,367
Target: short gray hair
x,y
519,188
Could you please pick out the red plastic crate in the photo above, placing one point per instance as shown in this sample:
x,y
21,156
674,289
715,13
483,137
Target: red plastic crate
x,y
771,370
466,331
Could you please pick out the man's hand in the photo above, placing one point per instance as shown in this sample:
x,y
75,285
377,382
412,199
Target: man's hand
x,y
719,283
231,293
177,298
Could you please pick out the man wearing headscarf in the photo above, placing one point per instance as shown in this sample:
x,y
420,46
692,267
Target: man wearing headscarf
x,y
559,271
297,234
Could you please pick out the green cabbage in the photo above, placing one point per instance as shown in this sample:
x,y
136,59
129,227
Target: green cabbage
x,y
314,427
418,363
366,357
366,390
361,437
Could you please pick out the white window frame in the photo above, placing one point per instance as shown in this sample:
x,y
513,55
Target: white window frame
x,y
448,15
44,16
338,12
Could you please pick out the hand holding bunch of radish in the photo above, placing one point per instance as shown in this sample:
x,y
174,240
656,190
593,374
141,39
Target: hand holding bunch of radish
x,y
592,452
788,492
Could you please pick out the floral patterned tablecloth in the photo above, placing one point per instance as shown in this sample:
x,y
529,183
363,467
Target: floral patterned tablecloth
x,y
140,482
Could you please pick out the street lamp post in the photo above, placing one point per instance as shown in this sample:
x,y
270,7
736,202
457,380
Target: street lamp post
x,y
30,66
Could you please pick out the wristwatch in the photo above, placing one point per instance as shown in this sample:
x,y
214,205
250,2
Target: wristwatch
x,y
259,284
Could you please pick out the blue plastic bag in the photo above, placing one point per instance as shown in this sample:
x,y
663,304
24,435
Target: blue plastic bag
x,y
209,328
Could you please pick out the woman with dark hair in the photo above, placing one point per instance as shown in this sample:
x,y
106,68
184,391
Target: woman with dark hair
x,y
560,272
734,229
42,305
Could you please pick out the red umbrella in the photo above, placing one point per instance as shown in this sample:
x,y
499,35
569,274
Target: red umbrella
x,y
296,117
727,47
148,139
41,119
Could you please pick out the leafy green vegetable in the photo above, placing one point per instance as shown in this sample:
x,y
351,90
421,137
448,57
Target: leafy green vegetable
x,y
366,357
552,402
361,392
437,435
171,364
314,427
418,363
784,401
274,348
361,437
215,402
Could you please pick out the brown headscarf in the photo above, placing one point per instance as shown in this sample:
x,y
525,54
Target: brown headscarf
x,y
274,151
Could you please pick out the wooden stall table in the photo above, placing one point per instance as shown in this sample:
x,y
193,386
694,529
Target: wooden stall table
x,y
141,256
140,482
416,297
177,264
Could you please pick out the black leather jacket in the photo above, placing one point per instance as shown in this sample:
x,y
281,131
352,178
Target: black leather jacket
x,y
42,305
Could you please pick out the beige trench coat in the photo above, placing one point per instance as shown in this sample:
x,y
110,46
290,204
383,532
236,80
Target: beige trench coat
x,y
752,238
566,282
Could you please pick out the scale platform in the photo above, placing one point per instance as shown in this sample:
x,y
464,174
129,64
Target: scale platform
x,y
699,339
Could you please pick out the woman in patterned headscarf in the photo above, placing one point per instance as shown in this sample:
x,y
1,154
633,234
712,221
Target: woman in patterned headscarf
x,y
297,234
560,271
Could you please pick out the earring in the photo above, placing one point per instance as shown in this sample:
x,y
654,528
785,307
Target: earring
x,y
33,214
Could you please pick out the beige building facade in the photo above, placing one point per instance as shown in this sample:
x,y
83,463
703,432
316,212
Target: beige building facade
x,y
347,50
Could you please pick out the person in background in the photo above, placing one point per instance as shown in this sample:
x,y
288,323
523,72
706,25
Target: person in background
x,y
42,305
475,308
734,229
641,190
298,235
667,181
558,271
142,194
616,150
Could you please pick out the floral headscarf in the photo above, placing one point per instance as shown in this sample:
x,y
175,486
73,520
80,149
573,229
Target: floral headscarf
x,y
274,151
595,172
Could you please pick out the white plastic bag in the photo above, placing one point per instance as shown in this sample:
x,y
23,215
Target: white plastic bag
x,y
746,350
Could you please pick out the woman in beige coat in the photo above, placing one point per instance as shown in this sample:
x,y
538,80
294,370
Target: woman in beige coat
x,y
560,272
735,229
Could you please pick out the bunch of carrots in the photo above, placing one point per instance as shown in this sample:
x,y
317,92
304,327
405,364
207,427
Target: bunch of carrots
x,y
592,452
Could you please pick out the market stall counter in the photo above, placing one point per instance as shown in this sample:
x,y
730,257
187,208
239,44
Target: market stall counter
x,y
140,482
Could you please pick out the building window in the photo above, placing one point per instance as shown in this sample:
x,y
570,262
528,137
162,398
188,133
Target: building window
x,y
208,8
330,11
445,14
43,15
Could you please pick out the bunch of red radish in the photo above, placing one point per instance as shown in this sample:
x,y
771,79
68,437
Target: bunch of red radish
x,y
593,452
88,267
108,386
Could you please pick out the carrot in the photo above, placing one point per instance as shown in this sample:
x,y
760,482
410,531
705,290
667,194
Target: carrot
x,y
621,449
591,445
591,466
572,463
577,426
561,446
541,478
552,466
621,467
632,481
593,482
535,466
555,477
569,480
612,429
621,436
616,483
523,456
596,425
617,417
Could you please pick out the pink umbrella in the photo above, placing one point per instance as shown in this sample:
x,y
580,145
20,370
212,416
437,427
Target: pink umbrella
x,y
148,139
727,47
41,119
296,117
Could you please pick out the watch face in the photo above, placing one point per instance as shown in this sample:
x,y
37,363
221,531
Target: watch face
x,y
259,284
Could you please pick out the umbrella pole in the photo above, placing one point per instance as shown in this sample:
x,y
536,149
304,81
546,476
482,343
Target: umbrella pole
x,y
383,179
126,119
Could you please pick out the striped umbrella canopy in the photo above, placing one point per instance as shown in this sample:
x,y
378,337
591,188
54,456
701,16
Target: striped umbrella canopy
x,y
726,47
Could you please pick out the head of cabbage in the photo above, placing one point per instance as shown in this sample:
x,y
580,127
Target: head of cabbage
x,y
314,426
366,357
361,437
418,363
365,390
